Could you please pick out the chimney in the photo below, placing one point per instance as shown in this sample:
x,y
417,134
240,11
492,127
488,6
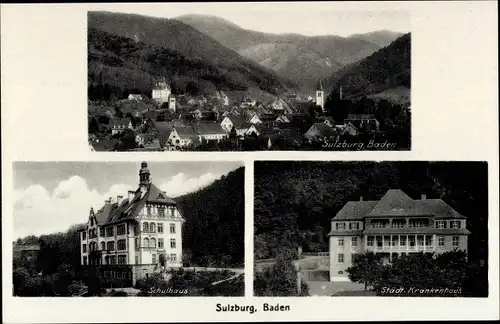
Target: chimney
x,y
360,198
424,196
108,201
119,200
131,195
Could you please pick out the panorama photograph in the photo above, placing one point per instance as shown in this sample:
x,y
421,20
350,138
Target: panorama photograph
x,y
212,77
92,229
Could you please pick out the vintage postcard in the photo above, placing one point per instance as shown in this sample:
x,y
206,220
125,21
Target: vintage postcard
x,y
238,161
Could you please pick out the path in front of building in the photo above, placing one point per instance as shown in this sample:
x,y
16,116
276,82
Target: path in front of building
x,y
328,288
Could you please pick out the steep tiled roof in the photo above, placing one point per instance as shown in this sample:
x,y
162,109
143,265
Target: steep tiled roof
x,y
207,128
360,116
186,132
355,210
396,203
124,122
112,212
324,129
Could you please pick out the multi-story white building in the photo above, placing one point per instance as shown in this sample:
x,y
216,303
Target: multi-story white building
x,y
393,226
161,93
143,230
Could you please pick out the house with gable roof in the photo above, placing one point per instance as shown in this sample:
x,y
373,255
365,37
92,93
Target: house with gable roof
x,y
138,230
393,226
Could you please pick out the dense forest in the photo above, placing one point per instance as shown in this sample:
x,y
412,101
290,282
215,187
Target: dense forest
x,y
215,219
388,68
122,60
299,199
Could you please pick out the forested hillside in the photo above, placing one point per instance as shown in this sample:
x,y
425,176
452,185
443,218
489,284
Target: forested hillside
x,y
215,218
297,200
132,48
388,68
304,59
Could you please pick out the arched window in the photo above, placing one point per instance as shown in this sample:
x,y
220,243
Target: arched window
x,y
145,227
152,243
146,242
152,227
103,246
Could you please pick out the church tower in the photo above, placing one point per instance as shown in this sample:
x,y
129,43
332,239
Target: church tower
x,y
144,180
320,96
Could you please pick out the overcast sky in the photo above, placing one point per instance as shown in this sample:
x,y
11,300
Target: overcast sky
x,y
302,18
51,196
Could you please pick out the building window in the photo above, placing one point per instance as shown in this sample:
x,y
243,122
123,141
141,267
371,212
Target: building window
x,y
84,248
340,258
428,240
370,240
145,242
122,259
441,224
84,260
394,241
455,224
420,240
161,211
148,210
145,227
412,241
455,241
160,243
353,257
341,242
172,212
110,232
136,259
440,240
152,227
354,241
122,245
340,226
120,230
152,242
173,257
172,228
172,243
402,240
84,236
160,228
106,259
154,258
112,259
103,246
101,232
380,242
111,246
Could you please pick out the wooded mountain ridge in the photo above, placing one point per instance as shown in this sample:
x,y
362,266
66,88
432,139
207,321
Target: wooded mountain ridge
x,y
135,49
293,56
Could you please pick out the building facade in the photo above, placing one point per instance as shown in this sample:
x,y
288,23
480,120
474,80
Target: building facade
x,y
161,92
320,96
143,230
393,226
